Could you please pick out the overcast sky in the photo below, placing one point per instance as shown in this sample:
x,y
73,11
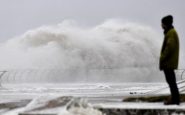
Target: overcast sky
x,y
18,16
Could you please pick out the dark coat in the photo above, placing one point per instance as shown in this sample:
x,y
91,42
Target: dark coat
x,y
170,51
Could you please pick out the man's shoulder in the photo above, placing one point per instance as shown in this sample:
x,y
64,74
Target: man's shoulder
x,y
172,32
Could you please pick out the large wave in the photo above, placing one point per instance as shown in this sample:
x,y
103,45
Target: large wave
x,y
113,51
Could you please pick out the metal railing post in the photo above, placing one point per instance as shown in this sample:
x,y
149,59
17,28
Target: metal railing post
x,y
1,75
182,74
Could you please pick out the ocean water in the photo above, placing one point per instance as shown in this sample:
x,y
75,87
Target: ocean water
x,y
112,52
69,99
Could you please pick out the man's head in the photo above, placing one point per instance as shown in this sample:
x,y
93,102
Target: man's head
x,y
167,21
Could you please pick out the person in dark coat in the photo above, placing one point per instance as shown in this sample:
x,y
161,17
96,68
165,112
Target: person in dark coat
x,y
169,58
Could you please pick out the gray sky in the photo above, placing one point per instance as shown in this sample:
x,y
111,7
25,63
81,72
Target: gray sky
x,y
18,16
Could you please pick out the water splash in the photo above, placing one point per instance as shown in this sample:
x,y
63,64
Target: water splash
x,y
113,51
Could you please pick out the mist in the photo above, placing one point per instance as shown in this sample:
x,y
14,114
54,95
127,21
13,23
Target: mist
x,y
114,51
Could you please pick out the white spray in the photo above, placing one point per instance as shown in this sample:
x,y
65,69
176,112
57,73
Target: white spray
x,y
111,52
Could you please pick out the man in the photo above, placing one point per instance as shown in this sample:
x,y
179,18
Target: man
x,y
169,58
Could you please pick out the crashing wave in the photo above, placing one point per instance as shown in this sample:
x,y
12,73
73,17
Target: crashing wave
x,y
111,52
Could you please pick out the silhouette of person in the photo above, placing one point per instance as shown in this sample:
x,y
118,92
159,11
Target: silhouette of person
x,y
169,58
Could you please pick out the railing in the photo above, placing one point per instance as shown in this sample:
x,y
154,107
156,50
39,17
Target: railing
x,y
33,75
1,75
72,74
27,75
182,75
179,73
